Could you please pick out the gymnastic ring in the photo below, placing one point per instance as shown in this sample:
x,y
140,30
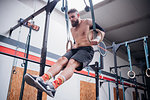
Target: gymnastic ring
x,y
91,31
129,74
69,41
148,69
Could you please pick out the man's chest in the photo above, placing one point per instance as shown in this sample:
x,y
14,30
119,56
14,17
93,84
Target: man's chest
x,y
81,31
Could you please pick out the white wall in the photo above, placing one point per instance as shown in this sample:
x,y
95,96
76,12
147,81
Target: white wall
x,y
10,12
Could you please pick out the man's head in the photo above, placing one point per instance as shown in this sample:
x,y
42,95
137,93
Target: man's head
x,y
74,17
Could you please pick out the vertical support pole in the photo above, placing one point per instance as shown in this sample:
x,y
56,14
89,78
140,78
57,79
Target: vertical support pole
x,y
116,71
44,49
122,82
124,98
136,91
109,90
97,80
101,65
143,79
26,63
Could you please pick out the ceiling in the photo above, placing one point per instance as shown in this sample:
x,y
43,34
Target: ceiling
x,y
124,20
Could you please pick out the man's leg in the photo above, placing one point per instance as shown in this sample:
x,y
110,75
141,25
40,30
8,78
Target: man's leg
x,y
66,73
55,69
50,87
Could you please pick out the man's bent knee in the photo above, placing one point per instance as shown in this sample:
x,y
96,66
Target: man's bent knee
x,y
62,61
73,63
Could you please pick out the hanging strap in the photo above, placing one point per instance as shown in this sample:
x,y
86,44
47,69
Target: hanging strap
x,y
65,8
17,47
92,14
130,62
67,19
146,56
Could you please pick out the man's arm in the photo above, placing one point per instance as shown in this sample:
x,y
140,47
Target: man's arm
x,y
102,32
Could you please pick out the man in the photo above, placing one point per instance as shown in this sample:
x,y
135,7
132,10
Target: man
x,y
75,59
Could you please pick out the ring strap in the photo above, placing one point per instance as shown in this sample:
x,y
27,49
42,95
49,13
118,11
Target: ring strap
x,y
67,45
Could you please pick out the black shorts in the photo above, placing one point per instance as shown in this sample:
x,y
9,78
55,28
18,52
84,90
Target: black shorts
x,y
83,55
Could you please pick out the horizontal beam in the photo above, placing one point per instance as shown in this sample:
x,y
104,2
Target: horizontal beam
x,y
124,66
27,19
132,41
123,43
48,8
125,79
22,58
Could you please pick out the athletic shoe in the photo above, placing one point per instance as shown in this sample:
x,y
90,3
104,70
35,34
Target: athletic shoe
x,y
46,87
31,80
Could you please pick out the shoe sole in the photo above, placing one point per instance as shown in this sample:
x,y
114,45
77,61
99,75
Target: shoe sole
x,y
30,80
38,85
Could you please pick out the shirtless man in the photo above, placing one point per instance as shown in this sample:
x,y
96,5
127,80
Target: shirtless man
x,y
75,59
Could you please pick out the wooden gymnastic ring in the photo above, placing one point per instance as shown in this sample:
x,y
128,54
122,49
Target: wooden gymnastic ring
x,y
89,33
69,41
147,72
129,74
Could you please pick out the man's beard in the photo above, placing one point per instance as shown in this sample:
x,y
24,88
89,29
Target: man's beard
x,y
75,23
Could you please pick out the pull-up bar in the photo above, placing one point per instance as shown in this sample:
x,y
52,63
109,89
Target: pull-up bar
x,y
130,41
50,6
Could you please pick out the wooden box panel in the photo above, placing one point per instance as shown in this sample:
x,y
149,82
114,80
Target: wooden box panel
x,y
30,93
87,91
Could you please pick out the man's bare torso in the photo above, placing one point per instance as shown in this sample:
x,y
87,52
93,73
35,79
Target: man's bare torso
x,y
80,34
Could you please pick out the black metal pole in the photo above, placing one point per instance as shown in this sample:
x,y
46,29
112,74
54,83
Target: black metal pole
x,y
44,51
97,80
136,91
143,79
26,63
116,71
49,8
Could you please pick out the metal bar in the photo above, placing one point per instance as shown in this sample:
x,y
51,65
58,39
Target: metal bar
x,y
122,82
22,58
124,98
119,66
136,91
109,47
124,66
109,90
97,80
143,79
123,43
26,63
116,71
27,19
49,8
132,41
